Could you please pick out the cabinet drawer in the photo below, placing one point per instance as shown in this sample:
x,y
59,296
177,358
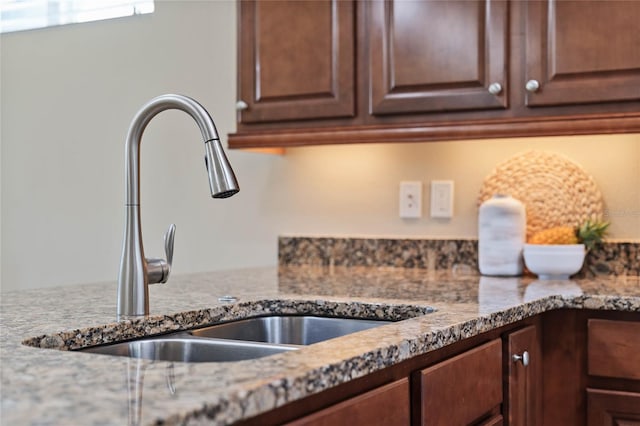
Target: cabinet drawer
x,y
493,421
610,408
462,389
614,349
386,405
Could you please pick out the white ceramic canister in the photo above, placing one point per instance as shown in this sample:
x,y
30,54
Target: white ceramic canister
x,y
502,226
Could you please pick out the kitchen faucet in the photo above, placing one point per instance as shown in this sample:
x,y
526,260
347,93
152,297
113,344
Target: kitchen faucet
x,y
136,271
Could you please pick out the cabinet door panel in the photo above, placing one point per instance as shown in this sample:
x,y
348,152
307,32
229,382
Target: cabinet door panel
x,y
612,408
583,51
614,348
523,404
462,389
296,59
493,421
387,405
436,55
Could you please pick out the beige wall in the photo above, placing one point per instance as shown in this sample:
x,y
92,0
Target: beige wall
x,y
69,93
353,189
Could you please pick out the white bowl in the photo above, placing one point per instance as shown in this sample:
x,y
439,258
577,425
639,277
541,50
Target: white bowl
x,y
554,262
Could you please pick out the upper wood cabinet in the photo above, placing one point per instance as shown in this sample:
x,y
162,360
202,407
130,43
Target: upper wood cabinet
x,y
351,71
296,60
411,64
582,51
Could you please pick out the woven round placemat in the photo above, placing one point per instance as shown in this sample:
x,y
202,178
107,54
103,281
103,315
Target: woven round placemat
x,y
554,190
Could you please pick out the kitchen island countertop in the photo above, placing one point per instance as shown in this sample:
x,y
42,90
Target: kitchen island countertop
x,y
49,386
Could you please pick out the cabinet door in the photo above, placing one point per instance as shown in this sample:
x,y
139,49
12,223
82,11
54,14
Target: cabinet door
x,y
614,348
464,389
427,56
612,408
387,405
523,405
295,60
582,51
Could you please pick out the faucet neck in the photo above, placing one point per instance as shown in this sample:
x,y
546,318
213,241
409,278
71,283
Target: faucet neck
x,y
139,124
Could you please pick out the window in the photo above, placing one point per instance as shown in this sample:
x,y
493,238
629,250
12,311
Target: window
x,y
18,15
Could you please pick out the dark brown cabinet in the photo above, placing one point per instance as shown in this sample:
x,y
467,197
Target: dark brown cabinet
x,y
341,71
580,52
458,386
613,352
591,371
296,60
411,60
580,368
386,405
612,408
463,390
522,404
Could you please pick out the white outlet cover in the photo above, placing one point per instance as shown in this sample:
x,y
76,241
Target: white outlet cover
x,y
410,199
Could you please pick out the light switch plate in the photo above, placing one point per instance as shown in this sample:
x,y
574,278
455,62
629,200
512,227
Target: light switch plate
x,y
442,198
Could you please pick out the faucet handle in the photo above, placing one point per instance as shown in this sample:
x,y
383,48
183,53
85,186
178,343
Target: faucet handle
x,y
158,270
168,243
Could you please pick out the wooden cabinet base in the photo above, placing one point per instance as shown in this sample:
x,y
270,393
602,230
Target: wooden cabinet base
x,y
613,408
387,405
463,389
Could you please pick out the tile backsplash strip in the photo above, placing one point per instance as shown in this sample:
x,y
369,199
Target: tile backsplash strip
x,y
613,258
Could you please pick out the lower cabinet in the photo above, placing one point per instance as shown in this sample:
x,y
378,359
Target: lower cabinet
x,y
613,348
386,405
591,368
463,390
523,399
565,367
613,353
612,408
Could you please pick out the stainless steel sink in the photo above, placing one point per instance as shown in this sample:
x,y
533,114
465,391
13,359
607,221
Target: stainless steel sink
x,y
190,349
287,330
238,340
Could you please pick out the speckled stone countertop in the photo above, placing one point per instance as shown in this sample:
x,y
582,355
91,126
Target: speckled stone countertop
x,y
62,387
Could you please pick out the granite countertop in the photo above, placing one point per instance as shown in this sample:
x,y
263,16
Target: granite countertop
x,y
50,386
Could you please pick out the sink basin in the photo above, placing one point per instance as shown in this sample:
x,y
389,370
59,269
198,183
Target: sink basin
x,y
287,330
190,349
238,340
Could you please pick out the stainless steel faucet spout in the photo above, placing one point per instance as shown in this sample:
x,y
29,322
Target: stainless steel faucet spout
x,y
136,271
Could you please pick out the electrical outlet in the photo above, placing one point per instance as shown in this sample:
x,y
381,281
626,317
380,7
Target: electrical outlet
x,y
442,198
410,199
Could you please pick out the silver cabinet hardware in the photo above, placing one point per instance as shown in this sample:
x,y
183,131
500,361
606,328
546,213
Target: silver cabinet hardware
x,y
532,86
524,358
495,88
241,105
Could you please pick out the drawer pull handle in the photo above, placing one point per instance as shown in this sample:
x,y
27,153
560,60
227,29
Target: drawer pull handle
x,y
524,358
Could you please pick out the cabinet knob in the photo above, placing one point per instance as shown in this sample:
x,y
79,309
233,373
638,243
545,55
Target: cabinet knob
x,y
524,358
495,88
241,105
532,86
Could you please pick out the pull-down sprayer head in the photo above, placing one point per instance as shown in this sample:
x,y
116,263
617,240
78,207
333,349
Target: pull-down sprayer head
x,y
222,181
